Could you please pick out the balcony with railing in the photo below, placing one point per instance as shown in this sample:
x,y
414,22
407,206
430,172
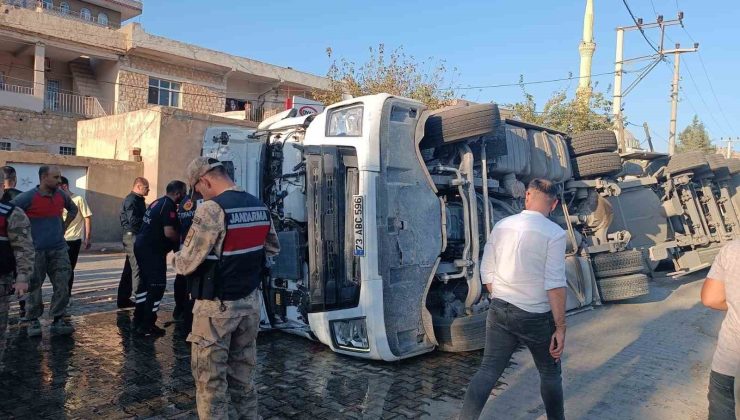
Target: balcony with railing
x,y
18,93
63,10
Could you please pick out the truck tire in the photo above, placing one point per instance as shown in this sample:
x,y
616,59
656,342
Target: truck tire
x,y
592,142
467,333
449,125
718,165
734,165
618,263
685,162
624,287
597,164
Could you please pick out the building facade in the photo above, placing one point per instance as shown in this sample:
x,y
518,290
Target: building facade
x,y
66,61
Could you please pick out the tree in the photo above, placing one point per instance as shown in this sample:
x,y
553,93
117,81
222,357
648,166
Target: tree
x,y
582,113
395,73
695,137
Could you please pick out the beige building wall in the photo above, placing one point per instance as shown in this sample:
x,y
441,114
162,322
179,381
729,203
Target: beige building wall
x,y
169,139
18,71
108,182
35,131
133,89
106,72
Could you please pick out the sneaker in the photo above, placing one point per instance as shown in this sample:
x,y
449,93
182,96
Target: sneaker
x,y
34,328
61,327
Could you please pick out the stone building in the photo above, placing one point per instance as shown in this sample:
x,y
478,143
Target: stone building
x,y
62,61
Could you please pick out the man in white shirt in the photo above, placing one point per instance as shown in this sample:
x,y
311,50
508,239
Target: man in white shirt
x,y
73,235
721,291
523,267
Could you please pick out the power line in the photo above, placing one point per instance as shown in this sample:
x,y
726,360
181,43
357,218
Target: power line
x,y
639,26
535,82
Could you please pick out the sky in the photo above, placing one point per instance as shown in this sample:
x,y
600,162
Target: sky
x,y
489,42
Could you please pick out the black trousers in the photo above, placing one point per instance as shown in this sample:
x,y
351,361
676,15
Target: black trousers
x,y
130,275
73,248
152,283
507,327
183,303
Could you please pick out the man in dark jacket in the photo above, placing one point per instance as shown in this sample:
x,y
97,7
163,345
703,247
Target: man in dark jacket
x,y
157,237
132,216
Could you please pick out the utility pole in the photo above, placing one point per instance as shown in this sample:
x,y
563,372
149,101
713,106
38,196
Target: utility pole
x,y
619,63
674,93
728,152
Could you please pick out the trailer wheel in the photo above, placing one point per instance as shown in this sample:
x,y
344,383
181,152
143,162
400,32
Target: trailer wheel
x,y
618,263
448,125
592,142
685,162
624,287
467,333
597,164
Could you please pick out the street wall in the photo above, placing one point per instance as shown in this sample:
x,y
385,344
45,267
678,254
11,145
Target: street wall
x,y
169,139
108,182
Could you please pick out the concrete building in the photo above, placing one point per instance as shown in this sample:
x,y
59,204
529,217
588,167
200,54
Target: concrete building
x,y
62,61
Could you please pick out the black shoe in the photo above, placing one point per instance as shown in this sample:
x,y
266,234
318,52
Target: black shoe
x,y
126,304
150,331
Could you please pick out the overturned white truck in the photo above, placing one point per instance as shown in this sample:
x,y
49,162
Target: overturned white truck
x,y
383,208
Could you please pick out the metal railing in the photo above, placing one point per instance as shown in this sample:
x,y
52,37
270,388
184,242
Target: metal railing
x,y
25,90
65,12
87,106
259,114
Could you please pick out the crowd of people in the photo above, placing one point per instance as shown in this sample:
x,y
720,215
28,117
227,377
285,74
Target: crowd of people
x,y
219,261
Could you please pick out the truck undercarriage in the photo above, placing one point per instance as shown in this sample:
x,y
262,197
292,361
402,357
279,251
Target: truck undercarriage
x,y
383,209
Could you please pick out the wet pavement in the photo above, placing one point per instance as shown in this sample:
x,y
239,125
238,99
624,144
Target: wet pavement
x,y
647,358
103,370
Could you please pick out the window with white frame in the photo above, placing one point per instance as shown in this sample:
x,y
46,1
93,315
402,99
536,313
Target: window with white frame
x,y
48,4
164,92
103,19
67,151
64,7
85,13
5,146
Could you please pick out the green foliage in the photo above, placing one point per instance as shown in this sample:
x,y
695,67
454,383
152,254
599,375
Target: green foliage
x,y
395,73
584,112
695,137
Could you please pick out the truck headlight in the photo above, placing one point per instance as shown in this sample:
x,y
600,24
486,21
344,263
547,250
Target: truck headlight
x,y
350,334
345,122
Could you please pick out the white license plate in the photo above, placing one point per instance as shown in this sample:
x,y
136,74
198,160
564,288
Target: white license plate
x,y
358,225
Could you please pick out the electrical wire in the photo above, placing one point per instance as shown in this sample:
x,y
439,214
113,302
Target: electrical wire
x,y
634,19
536,81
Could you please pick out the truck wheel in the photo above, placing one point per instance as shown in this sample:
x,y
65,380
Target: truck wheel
x,y
448,125
685,162
467,333
618,263
624,287
592,142
597,164
718,165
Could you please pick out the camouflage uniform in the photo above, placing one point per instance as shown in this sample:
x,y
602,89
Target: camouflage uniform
x,y
19,236
224,333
